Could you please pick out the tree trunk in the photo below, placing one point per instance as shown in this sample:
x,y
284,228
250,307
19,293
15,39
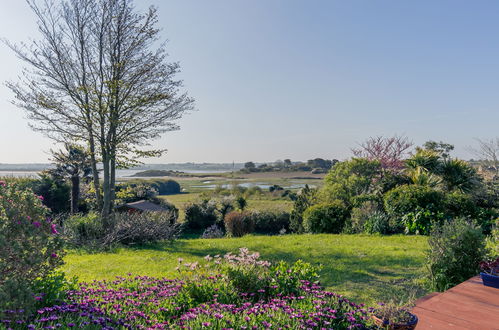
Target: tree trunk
x,y
95,172
75,193
106,202
112,182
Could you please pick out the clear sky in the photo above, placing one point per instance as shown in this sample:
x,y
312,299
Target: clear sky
x,y
277,79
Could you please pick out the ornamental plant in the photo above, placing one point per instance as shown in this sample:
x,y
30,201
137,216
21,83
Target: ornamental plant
x,y
212,294
490,267
30,247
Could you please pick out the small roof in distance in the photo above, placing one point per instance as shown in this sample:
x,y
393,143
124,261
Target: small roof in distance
x,y
143,205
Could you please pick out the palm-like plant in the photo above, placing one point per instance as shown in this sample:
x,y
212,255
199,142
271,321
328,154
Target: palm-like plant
x,y
458,175
423,177
73,164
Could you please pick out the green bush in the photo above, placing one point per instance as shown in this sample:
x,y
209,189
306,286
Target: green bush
x,y
238,224
30,246
305,198
409,198
84,229
377,223
414,207
360,215
325,218
166,187
456,248
200,215
271,223
421,221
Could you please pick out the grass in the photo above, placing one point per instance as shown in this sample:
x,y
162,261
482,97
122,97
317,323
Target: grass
x,y
364,268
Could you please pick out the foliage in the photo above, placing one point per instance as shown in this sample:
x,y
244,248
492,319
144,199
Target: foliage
x,y
360,215
456,249
490,267
72,164
420,221
304,199
126,193
411,198
238,224
55,192
393,313
271,222
165,187
378,223
441,148
325,218
84,229
30,247
200,215
53,288
459,175
127,228
241,203
428,160
213,232
349,179
142,227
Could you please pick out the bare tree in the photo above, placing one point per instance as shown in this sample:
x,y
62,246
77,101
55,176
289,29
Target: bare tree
x,y
488,151
389,151
99,75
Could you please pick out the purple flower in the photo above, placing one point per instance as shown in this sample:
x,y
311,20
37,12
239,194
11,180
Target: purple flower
x,y
37,224
53,229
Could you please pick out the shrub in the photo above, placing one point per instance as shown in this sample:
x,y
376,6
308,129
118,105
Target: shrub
x,y
271,223
84,229
200,215
128,193
378,223
360,215
241,203
238,224
213,232
166,187
420,221
409,198
142,227
30,247
456,249
304,199
325,218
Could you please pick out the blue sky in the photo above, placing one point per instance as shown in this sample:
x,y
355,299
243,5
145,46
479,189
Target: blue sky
x,y
277,79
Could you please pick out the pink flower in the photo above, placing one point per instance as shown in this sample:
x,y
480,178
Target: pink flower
x,y
54,229
2,183
37,224
40,197
53,255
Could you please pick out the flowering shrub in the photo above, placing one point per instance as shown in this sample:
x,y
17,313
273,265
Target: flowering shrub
x,y
30,247
207,296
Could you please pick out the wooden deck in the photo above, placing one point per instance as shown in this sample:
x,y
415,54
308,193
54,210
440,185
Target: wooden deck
x,y
469,305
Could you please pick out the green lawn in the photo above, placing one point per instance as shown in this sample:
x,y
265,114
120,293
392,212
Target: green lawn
x,y
364,268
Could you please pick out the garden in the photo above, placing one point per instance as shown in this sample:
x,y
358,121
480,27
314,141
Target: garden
x,y
355,251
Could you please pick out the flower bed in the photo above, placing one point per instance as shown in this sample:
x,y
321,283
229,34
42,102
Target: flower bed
x,y
239,292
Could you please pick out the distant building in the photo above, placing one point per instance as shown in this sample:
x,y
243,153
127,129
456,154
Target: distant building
x,y
141,206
